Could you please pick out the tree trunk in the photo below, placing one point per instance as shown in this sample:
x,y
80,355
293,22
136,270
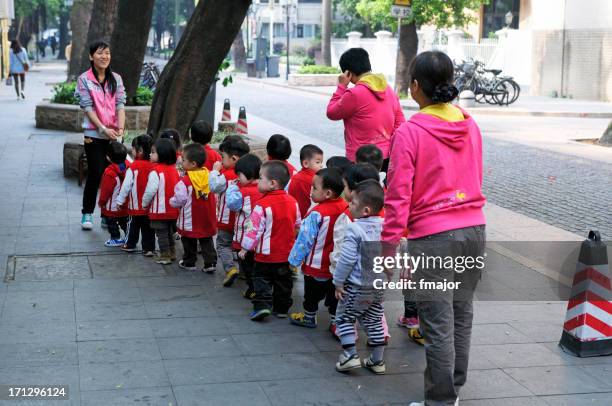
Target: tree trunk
x,y
80,17
606,138
187,77
104,14
326,28
409,45
63,33
129,43
239,53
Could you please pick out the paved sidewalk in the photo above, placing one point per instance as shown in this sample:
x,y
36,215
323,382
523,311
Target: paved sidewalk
x,y
121,330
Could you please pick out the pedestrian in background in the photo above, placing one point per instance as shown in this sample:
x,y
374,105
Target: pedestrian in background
x,y
18,66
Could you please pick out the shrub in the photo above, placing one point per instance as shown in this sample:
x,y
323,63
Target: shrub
x,y
318,69
299,51
308,61
63,93
144,96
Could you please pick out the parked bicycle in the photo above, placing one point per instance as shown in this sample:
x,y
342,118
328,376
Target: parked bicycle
x,y
149,75
487,84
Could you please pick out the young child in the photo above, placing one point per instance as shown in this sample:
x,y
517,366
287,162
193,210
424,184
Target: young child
x,y
358,300
232,148
341,163
196,220
270,234
311,158
241,198
116,217
314,244
371,154
160,188
202,133
132,190
172,134
279,149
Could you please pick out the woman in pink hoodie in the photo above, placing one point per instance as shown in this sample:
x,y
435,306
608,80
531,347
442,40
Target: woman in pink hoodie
x,y
371,110
434,193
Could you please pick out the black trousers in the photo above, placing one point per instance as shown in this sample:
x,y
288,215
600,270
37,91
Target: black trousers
x,y
141,225
16,79
273,284
95,150
315,291
247,266
114,224
190,250
164,230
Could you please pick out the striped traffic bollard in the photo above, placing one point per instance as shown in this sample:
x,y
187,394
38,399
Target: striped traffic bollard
x,y
227,112
242,126
587,331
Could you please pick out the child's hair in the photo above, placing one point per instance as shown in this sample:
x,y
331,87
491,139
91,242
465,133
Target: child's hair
x,y
172,134
195,153
142,144
249,165
435,72
276,170
309,151
116,152
355,60
341,163
234,145
166,151
359,173
332,180
370,154
371,195
201,132
279,147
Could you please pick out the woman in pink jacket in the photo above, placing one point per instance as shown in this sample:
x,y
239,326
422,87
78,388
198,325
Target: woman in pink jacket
x,y
371,110
434,194
101,95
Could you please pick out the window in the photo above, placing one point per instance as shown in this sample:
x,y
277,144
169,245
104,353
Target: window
x,y
308,31
300,30
494,16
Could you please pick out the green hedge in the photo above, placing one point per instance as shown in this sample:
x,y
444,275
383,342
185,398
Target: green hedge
x,y
318,70
63,93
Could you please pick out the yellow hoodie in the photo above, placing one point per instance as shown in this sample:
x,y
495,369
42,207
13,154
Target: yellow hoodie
x,y
199,180
376,82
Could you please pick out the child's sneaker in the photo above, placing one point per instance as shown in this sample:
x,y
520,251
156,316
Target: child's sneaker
x,y
248,294
416,336
125,248
347,363
114,243
299,319
189,268
148,254
163,259
87,222
210,268
377,367
408,322
280,315
230,277
258,315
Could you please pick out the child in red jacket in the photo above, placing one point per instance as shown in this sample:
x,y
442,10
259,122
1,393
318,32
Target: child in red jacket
x,y
197,204
131,193
279,149
202,133
311,158
232,148
314,245
270,234
115,216
160,188
241,198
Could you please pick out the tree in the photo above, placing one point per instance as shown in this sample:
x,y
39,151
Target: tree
x,y
186,79
63,32
440,13
129,43
105,14
326,32
80,17
606,138
239,52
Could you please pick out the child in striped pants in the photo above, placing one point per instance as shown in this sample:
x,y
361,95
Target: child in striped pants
x,y
358,300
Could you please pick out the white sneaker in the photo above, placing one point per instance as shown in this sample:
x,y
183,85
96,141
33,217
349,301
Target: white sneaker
x,y
377,367
347,363
423,403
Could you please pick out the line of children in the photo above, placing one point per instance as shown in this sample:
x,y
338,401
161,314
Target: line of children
x,y
311,158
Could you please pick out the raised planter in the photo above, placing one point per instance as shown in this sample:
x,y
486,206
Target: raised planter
x,y
68,117
327,79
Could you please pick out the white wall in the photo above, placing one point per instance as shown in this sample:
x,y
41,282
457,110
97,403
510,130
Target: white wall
x,y
579,14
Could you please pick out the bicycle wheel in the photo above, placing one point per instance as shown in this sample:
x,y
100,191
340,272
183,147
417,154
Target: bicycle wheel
x,y
505,92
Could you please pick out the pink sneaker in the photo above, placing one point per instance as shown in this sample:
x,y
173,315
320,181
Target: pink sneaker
x,y
408,322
